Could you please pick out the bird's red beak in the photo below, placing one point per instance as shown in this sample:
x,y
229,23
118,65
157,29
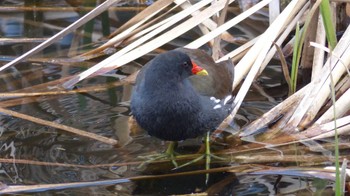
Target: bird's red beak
x,y
197,70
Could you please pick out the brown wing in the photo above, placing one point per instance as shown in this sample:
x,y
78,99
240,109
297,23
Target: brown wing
x,y
219,81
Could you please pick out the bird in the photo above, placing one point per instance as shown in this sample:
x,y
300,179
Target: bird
x,y
182,94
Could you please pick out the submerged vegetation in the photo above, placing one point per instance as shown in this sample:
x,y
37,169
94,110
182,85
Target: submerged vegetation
x,y
304,133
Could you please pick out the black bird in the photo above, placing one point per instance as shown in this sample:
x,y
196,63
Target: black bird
x,y
175,99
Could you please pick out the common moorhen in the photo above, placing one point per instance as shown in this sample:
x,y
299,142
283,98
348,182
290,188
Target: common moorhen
x,y
173,101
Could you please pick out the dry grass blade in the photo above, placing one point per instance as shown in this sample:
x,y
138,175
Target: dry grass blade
x,y
281,146
167,23
99,9
148,27
314,103
16,102
284,35
217,46
285,69
274,113
96,88
21,40
59,126
342,106
274,10
327,130
116,60
321,173
307,54
279,42
25,96
31,162
320,91
253,59
154,8
266,39
46,187
306,137
239,51
319,53
345,173
206,25
216,32
62,9
324,130
128,28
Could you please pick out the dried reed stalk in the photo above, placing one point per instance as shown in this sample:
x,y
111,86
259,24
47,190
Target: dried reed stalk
x,y
60,126
252,61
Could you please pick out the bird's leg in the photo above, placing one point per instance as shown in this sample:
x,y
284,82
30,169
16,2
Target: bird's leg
x,y
207,151
169,153
207,154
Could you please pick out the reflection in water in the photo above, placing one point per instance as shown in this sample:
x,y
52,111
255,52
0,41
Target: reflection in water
x,y
217,184
105,113
8,151
94,113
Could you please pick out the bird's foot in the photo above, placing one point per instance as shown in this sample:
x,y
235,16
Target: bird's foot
x,y
168,154
207,155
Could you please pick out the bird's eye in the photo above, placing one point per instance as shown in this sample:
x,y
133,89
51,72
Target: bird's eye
x,y
185,64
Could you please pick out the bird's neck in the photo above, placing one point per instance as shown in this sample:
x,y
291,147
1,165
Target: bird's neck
x,y
165,87
163,82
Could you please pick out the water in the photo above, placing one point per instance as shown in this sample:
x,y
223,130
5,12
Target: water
x,y
105,113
